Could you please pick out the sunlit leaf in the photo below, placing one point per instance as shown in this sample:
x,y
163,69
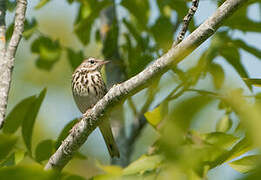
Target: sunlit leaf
x,y
44,150
245,164
144,163
240,148
7,144
28,122
224,124
112,169
155,116
221,140
19,155
17,115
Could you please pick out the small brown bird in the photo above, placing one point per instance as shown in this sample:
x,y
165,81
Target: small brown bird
x,y
88,88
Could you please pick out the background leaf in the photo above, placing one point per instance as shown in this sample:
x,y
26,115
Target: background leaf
x,y
245,164
7,144
44,150
17,115
49,52
28,123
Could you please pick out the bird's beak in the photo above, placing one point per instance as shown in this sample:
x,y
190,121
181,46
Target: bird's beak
x,y
104,62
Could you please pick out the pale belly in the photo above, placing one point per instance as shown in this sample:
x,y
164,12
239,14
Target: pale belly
x,y
85,102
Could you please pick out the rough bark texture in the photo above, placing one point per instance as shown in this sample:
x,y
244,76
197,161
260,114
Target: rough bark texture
x,y
7,55
119,92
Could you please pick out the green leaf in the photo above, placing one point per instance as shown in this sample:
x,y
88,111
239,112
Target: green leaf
x,y
7,144
88,13
110,44
144,163
233,57
28,173
111,170
218,74
65,132
15,118
9,161
179,6
19,155
240,148
155,116
164,40
28,123
221,140
240,20
254,82
139,9
44,150
75,58
41,4
245,164
224,124
49,52
10,5
135,34
252,50
184,112
9,32
29,28
13,159
72,177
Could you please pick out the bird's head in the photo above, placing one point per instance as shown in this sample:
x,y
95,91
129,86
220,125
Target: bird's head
x,y
93,64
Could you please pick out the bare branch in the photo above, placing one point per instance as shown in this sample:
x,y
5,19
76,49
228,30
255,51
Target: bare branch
x,y
120,92
186,21
8,55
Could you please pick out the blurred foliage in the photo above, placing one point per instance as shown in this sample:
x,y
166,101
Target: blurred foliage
x,y
181,151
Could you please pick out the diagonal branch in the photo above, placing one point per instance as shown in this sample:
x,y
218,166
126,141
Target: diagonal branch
x,y
120,92
8,55
126,142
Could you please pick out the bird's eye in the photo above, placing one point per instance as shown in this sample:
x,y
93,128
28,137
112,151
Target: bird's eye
x,y
92,61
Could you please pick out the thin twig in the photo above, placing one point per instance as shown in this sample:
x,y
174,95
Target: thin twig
x,y
7,58
186,21
120,92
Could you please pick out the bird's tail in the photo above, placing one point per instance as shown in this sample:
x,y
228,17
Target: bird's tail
x,y
106,131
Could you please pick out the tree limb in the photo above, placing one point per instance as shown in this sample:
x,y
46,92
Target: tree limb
x,y
8,55
186,21
127,142
93,117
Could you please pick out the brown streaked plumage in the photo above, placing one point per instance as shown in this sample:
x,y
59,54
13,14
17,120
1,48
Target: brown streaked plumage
x,y
88,87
